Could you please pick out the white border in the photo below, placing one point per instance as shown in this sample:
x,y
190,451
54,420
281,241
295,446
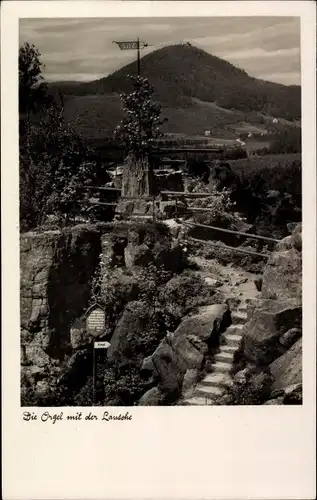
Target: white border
x,y
222,452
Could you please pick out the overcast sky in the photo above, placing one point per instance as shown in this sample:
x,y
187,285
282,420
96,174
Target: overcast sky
x,y
82,49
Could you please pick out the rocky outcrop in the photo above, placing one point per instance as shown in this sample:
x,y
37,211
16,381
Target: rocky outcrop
x,y
282,277
264,334
152,397
56,270
152,243
287,369
272,336
180,357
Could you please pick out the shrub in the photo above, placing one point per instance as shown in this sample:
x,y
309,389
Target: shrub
x,y
123,386
180,295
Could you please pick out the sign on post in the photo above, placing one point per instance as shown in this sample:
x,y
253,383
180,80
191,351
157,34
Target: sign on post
x,y
101,345
128,45
95,319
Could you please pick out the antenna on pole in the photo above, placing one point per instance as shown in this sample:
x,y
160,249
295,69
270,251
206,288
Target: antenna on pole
x,y
132,46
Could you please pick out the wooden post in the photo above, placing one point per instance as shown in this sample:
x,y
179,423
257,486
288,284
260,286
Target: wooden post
x,y
93,376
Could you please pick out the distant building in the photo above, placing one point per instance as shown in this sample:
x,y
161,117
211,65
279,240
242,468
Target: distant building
x,y
275,120
207,133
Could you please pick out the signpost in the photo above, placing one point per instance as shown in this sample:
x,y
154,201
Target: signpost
x,y
133,45
96,345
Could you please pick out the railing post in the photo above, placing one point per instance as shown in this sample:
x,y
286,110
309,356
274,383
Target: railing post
x,y
153,207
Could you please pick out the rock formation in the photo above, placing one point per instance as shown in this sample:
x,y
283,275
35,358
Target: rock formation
x,y
272,336
56,270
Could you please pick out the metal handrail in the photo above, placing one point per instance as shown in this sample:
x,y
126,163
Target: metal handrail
x,y
226,247
231,231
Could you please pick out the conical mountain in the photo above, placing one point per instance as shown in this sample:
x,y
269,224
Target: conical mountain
x,y
188,80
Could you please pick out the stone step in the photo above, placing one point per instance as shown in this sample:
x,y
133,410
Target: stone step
x,y
217,379
242,309
232,339
222,366
237,328
197,401
209,390
239,317
224,356
227,348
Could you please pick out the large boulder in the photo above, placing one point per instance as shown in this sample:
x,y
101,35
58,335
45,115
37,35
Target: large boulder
x,y
270,320
169,368
287,369
180,357
205,324
153,397
282,278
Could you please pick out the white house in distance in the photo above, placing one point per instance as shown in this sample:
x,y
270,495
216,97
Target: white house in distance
x,y
275,120
207,133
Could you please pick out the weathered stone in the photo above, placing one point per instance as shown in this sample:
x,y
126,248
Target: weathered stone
x,y
277,393
148,366
287,369
276,401
190,380
169,368
56,270
269,321
153,397
42,387
289,338
35,354
153,243
242,376
206,324
188,351
282,277
293,394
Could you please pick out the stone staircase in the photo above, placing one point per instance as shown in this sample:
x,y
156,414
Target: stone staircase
x,y
215,383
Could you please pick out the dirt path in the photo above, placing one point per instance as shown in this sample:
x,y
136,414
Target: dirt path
x,y
230,281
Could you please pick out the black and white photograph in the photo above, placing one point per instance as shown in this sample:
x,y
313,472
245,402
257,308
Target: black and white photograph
x,y
160,211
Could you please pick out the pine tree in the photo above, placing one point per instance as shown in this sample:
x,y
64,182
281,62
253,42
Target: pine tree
x,y
137,132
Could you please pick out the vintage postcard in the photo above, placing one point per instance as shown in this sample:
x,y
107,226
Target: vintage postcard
x,y
159,248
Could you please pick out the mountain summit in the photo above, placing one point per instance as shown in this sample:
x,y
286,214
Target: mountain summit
x,y
197,91
180,73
